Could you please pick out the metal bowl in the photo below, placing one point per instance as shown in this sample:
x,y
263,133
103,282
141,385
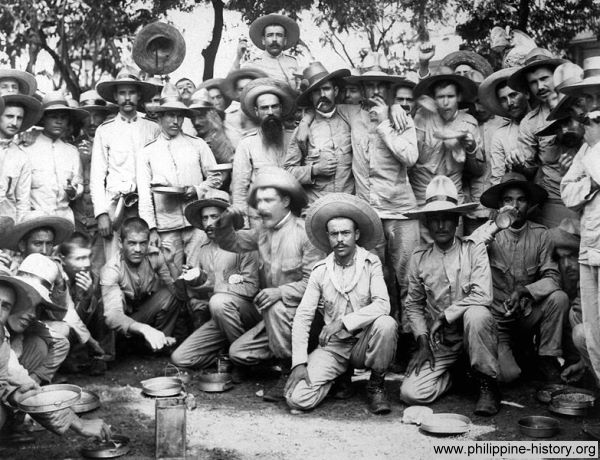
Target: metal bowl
x,y
214,382
88,402
537,426
573,399
168,189
568,410
49,398
116,447
544,394
162,386
446,424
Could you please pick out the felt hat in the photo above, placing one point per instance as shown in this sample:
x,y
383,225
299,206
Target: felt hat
x,y
591,78
201,100
170,101
567,107
257,28
127,76
158,48
441,196
40,273
492,197
262,86
229,82
272,176
61,227
487,91
31,106
467,87
342,205
212,197
470,58
55,101
91,101
26,81
567,235
537,57
216,83
314,75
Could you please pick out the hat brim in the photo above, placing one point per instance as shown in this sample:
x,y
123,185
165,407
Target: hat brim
x,y
107,109
303,99
248,99
61,227
76,115
441,206
27,82
394,79
562,239
272,176
342,205
106,89
517,80
491,198
487,94
45,301
292,30
470,58
174,107
576,89
216,83
27,298
147,61
228,85
32,107
467,87
193,210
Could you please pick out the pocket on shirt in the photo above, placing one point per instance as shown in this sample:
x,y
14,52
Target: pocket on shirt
x,y
292,268
40,177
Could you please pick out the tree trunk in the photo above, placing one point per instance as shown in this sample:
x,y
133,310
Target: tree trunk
x,y
210,52
523,15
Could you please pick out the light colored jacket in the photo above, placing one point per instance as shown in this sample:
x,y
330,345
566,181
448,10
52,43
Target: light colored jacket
x,y
15,182
504,141
281,67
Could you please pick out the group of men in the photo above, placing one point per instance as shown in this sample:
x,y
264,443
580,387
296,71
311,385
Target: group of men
x,y
310,221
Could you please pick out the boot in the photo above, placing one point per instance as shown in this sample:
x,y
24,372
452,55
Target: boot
x,y
274,393
489,396
549,369
342,387
376,397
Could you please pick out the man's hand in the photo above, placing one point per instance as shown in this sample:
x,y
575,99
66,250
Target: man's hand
x,y
104,226
83,281
70,191
423,355
95,347
154,238
229,216
399,117
467,141
155,339
5,259
515,157
300,372
426,52
168,250
573,373
437,332
94,428
325,166
303,130
513,303
241,48
190,193
267,297
564,162
379,109
329,330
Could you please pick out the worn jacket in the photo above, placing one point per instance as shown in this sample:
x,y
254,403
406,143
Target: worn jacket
x,y
504,141
15,181
281,67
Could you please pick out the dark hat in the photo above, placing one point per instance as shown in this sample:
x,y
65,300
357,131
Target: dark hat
x,y
228,85
492,197
314,75
158,48
470,58
216,83
567,235
257,28
467,87
212,197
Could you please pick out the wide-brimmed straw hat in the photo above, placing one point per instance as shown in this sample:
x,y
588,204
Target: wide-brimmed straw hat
x,y
272,176
126,76
441,196
314,75
345,205
26,297
216,83
91,101
567,235
40,273
62,228
170,101
537,57
158,48
257,28
467,87
31,106
492,197
262,86
488,96
213,197
55,101
470,58
201,100
229,82
591,78
26,81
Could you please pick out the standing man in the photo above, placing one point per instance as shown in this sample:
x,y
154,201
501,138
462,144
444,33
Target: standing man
x,y
348,285
286,258
13,81
448,305
116,147
173,159
326,166
57,176
274,33
186,88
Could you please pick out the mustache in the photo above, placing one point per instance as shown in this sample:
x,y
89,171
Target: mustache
x,y
210,228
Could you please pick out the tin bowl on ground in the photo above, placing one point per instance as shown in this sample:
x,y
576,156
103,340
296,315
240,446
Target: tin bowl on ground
x,y
214,382
88,402
544,394
161,387
446,424
537,426
116,447
575,398
49,398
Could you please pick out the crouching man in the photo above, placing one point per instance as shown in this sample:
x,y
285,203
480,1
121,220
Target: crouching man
x,y
448,305
348,285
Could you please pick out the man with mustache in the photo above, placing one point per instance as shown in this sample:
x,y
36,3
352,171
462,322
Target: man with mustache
x,y
186,88
273,33
173,159
117,144
348,286
526,281
226,284
267,102
286,257
326,166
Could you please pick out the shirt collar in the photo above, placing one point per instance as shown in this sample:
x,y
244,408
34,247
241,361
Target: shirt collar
x,y
128,120
327,114
349,264
283,221
449,250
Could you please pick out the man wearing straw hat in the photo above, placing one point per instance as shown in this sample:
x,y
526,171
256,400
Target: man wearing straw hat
x,y
14,81
173,159
57,176
348,285
286,257
579,192
20,113
116,147
448,305
326,165
274,33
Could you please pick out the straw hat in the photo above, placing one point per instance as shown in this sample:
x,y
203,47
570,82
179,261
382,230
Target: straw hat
x,y
126,76
470,58
170,101
27,82
55,101
487,91
26,297
567,235
537,57
212,197
91,101
262,86
40,272
158,48
492,197
441,196
31,106
467,87
313,76
229,82
61,227
272,176
201,100
257,28
342,205
591,78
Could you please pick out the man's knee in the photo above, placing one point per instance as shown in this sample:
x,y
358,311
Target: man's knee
x,y
559,300
578,336
414,391
276,311
303,397
386,326
478,319
220,303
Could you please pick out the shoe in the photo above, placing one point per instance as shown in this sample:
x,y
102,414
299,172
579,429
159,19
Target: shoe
x,y
342,386
549,369
274,393
376,397
239,374
489,396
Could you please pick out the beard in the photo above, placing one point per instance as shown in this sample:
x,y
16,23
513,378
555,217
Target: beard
x,y
272,130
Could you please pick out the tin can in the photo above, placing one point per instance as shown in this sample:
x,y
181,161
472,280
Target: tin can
x,y
224,364
170,428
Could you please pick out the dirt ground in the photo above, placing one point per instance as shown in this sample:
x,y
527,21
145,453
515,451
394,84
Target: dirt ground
x,y
239,425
